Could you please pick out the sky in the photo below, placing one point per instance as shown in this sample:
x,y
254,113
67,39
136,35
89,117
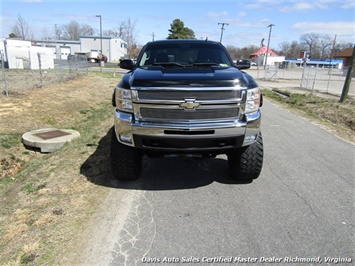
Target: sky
x,y
246,21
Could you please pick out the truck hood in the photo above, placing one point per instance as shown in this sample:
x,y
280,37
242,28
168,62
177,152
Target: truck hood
x,y
192,77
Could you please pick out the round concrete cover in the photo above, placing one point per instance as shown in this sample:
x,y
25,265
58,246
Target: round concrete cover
x,y
49,139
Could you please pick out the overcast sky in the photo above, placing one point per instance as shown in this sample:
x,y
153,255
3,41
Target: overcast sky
x,y
247,20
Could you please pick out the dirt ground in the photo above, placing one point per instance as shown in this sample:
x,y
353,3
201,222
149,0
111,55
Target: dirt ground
x,y
47,197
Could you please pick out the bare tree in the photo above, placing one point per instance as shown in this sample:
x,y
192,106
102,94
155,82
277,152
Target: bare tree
x,y
22,29
291,50
126,30
238,53
87,30
296,49
310,41
57,32
45,34
111,33
71,31
74,30
285,48
233,51
325,43
119,31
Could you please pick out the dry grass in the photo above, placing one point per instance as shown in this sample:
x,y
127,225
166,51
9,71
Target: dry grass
x,y
45,197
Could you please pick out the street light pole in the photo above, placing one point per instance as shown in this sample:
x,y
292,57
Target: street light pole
x,y
268,43
99,16
222,29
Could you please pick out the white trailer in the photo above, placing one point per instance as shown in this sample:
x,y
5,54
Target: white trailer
x,y
2,51
113,48
21,55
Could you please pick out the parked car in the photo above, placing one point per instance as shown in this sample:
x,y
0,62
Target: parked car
x,y
243,64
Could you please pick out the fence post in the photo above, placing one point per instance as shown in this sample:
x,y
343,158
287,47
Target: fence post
x,y
2,57
303,74
40,68
330,72
347,82
315,77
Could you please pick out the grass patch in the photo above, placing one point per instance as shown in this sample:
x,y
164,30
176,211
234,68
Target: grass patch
x,y
33,188
326,110
9,140
108,75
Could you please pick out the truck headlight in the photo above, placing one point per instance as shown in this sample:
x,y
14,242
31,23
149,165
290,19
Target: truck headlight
x,y
253,100
123,100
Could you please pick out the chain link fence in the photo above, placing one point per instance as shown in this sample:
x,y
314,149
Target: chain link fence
x,y
13,81
309,78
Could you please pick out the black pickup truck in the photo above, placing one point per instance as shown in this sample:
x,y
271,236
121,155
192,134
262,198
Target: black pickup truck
x,y
186,98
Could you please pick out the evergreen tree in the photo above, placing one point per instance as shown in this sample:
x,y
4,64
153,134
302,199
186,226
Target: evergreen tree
x,y
179,31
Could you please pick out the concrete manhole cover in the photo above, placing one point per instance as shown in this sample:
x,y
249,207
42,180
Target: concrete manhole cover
x,y
49,139
51,134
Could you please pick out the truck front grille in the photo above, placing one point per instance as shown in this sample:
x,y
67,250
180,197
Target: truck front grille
x,y
170,95
187,104
188,115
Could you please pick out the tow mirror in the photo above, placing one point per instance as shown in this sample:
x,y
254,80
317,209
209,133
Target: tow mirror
x,y
127,64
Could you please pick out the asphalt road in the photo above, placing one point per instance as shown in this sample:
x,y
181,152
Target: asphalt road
x,y
299,210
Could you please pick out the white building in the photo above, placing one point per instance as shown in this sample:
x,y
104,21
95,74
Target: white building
x,y
60,48
113,48
22,55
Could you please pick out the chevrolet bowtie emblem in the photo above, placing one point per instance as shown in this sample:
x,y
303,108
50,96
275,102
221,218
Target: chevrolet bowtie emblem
x,y
190,104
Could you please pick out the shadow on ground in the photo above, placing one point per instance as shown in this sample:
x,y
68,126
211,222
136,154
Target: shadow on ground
x,y
157,174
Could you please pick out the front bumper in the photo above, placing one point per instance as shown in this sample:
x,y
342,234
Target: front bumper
x,y
187,137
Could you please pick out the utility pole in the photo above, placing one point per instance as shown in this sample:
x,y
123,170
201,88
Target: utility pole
x,y
268,44
333,48
99,16
348,78
153,36
222,29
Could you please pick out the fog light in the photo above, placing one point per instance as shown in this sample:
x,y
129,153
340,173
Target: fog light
x,y
249,139
126,138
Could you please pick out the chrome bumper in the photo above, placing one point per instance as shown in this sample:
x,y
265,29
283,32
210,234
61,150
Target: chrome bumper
x,y
127,130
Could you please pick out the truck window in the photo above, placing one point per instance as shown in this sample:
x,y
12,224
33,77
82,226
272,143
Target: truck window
x,y
184,54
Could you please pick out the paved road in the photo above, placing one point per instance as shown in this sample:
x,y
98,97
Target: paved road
x,y
300,208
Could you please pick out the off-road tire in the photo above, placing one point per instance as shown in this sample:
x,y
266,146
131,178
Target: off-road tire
x,y
245,164
126,162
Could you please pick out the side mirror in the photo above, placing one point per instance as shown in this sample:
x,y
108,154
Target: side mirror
x,y
242,64
127,64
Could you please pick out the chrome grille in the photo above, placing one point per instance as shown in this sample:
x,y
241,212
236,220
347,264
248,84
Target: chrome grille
x,y
169,104
163,95
188,115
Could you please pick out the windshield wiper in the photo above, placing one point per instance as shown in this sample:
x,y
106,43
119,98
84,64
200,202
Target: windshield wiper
x,y
207,64
168,64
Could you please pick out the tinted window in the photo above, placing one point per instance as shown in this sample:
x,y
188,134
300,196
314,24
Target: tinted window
x,y
185,54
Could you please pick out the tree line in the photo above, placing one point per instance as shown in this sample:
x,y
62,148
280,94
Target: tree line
x,y
316,45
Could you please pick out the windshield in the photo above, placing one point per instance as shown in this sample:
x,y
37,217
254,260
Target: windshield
x,y
184,55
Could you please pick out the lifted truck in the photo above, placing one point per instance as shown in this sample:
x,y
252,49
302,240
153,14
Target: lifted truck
x,y
186,98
